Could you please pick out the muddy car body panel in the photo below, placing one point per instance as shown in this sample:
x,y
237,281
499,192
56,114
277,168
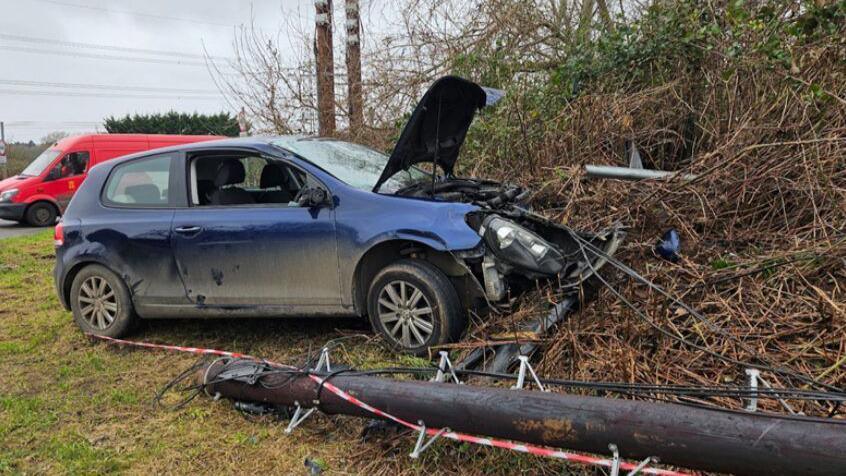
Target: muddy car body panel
x,y
298,226
248,260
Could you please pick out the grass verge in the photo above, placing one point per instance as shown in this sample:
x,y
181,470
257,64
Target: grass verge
x,y
70,406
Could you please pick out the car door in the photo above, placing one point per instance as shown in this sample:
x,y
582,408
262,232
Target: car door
x,y
67,174
272,258
132,229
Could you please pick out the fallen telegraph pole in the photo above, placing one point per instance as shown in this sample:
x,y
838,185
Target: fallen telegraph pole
x,y
693,437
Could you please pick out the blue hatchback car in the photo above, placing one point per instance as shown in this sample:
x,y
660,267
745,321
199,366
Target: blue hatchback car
x,y
297,226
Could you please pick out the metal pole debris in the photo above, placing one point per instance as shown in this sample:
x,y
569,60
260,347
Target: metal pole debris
x,y
627,173
506,355
692,437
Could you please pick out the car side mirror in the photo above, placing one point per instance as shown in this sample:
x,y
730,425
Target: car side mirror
x,y
313,197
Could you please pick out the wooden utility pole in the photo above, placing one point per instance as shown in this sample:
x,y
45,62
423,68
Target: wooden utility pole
x,y
724,441
325,67
355,102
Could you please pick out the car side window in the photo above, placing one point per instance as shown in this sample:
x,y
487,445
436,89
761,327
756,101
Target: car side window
x,y
142,182
74,163
232,180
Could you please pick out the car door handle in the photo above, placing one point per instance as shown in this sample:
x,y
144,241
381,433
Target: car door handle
x,y
188,230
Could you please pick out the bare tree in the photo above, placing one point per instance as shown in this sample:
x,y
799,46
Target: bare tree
x,y
419,41
276,90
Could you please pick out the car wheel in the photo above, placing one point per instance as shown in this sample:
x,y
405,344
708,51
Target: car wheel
x,y
41,214
101,303
414,306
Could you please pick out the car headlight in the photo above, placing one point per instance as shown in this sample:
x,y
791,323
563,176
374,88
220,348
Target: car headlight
x,y
8,195
520,247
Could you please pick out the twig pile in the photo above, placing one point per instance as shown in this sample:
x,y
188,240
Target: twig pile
x,y
763,227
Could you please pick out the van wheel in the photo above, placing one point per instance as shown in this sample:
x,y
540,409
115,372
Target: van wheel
x,y
414,306
41,214
101,303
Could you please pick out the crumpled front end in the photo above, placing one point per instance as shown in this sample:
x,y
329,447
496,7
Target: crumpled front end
x,y
519,246
522,247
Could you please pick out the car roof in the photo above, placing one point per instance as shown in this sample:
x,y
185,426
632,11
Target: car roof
x,y
257,142
70,141
240,142
260,143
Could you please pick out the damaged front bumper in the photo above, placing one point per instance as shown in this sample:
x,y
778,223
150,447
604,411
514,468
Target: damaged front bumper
x,y
518,246
521,247
518,249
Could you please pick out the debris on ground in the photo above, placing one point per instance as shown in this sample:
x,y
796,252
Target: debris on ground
x,y
669,245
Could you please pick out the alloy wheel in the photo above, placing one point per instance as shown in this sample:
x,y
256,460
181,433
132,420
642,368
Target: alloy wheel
x,y
406,314
97,302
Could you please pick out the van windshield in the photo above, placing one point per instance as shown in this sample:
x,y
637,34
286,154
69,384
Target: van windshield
x,y
41,162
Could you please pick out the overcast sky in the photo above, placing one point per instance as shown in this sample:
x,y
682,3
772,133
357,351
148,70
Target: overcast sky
x,y
67,64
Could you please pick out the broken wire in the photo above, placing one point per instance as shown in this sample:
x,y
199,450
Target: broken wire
x,y
584,244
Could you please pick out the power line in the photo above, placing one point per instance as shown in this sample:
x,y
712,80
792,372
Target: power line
x,y
97,46
19,92
138,14
26,49
51,123
55,128
15,82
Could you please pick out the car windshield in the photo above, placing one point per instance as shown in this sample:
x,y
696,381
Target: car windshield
x,y
41,162
356,165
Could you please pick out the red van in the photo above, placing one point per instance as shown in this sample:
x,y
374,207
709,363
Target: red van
x,y
43,189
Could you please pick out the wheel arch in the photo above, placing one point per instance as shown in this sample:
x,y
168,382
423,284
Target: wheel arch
x,y
43,199
388,251
74,270
40,197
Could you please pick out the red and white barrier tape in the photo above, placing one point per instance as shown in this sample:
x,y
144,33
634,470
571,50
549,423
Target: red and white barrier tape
x,y
509,445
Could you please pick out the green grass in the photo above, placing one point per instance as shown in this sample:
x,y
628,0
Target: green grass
x,y
71,406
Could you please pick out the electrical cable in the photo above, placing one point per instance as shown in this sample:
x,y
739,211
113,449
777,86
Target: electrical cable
x,y
584,244
53,123
649,391
138,14
159,397
611,387
738,392
628,388
105,87
98,46
19,92
78,54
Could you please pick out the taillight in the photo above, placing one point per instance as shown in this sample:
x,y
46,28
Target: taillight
x,y
59,235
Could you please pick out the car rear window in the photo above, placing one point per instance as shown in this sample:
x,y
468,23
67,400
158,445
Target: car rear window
x,y
142,182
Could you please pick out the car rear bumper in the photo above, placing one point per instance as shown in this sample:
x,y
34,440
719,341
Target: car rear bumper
x,y
12,211
58,280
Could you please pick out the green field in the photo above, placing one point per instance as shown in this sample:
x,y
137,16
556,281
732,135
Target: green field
x,y
71,406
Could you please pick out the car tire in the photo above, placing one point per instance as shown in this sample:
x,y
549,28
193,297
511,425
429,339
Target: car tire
x,y
415,306
101,303
41,214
